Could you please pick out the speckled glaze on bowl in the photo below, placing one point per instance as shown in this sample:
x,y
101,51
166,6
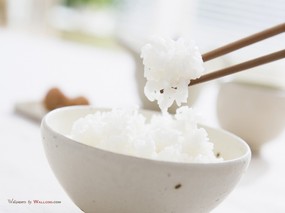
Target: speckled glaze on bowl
x,y
106,182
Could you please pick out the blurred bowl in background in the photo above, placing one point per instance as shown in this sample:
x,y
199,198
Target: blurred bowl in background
x,y
253,111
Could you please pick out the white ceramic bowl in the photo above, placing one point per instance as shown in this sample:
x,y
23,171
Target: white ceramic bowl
x,y
255,112
106,182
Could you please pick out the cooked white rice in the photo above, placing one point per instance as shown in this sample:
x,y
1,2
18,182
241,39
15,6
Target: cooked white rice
x,y
168,138
169,67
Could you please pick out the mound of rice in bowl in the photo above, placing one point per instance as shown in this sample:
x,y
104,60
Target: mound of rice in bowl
x,y
168,138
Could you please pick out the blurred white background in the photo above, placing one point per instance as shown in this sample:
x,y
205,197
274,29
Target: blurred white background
x,y
211,23
91,48
144,17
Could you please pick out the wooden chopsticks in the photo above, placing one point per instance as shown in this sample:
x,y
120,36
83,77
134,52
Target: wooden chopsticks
x,y
238,45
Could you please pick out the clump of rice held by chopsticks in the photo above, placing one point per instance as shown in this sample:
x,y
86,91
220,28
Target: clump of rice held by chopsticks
x,y
169,66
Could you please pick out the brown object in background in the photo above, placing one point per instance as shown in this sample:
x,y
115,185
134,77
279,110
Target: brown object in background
x,y
3,12
56,99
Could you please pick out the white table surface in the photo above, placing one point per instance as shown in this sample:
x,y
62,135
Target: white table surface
x,y
30,65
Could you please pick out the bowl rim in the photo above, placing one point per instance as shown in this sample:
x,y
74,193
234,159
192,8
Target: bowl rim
x,y
44,126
